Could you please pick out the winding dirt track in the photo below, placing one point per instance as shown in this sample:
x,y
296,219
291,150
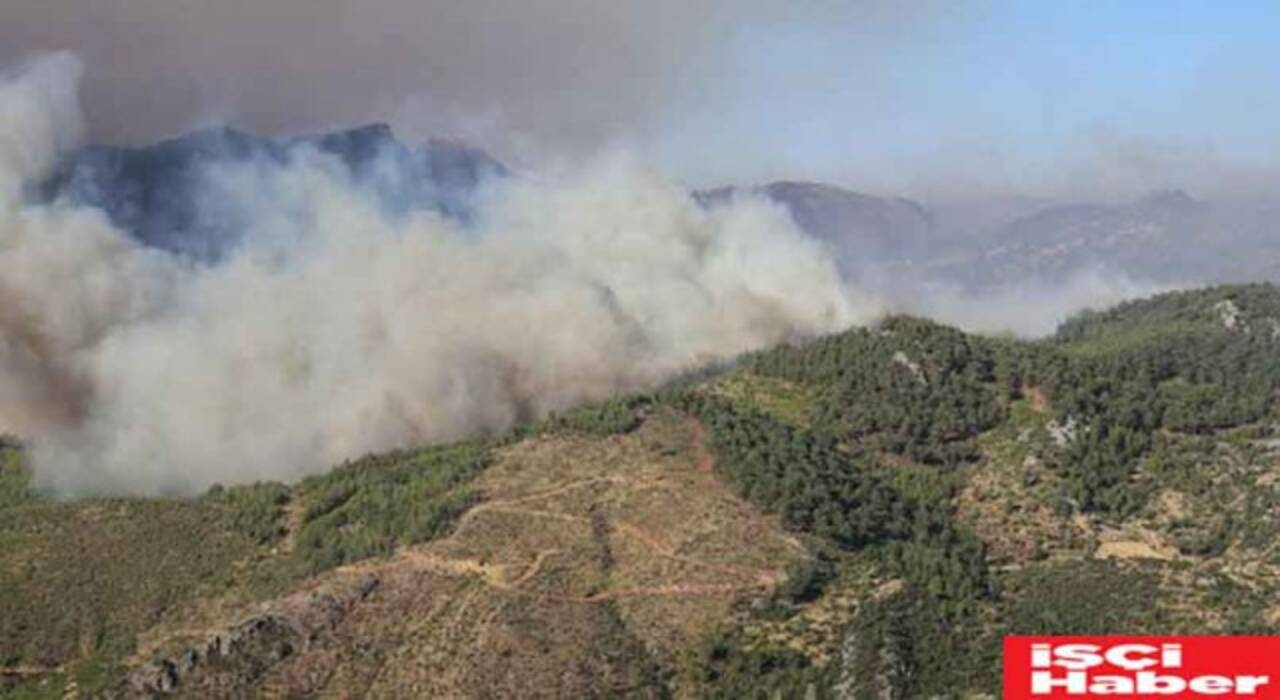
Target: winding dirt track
x,y
504,577
294,512
706,462
639,519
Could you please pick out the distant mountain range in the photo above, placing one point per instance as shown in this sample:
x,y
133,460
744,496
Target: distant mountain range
x,y
155,192
1159,237
1167,237
860,229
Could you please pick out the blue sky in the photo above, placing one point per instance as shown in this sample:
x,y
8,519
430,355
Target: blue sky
x,y
1022,91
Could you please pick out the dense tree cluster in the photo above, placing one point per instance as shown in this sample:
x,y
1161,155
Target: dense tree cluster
x,y
1194,307
905,646
846,497
814,486
849,499
609,417
910,387
368,507
1190,362
256,510
726,667
15,481
1115,382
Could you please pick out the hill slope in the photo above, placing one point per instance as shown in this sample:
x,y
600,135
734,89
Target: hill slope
x,y
1165,237
864,514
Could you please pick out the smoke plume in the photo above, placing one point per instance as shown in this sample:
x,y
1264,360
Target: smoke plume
x,y
1027,309
337,328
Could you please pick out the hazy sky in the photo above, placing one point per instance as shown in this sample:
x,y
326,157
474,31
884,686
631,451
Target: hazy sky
x,y
930,98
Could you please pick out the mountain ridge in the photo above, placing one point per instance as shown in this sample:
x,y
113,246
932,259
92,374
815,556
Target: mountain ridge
x,y
857,227
157,193
867,512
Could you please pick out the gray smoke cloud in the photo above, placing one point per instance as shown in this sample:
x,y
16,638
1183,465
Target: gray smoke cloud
x,y
724,90
337,329
569,73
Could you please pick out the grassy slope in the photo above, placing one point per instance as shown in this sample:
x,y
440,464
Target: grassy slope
x,y
81,582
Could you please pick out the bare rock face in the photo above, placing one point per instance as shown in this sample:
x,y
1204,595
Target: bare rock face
x,y
1231,316
249,650
155,677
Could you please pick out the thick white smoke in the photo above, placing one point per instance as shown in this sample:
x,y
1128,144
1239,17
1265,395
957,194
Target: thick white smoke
x,y
337,329
66,278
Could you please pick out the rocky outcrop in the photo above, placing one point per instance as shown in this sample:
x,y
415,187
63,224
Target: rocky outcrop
x,y
247,651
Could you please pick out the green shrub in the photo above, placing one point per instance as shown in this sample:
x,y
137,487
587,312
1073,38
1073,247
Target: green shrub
x,y
256,511
602,418
369,507
15,482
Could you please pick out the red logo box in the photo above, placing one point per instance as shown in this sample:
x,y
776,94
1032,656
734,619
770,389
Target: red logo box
x,y
1149,668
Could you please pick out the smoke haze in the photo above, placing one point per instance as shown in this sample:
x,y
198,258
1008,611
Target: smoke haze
x,y
1029,309
935,100
336,324
573,74
336,329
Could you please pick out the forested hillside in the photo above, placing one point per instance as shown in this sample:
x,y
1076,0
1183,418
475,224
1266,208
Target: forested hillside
x,y
862,515
1137,437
